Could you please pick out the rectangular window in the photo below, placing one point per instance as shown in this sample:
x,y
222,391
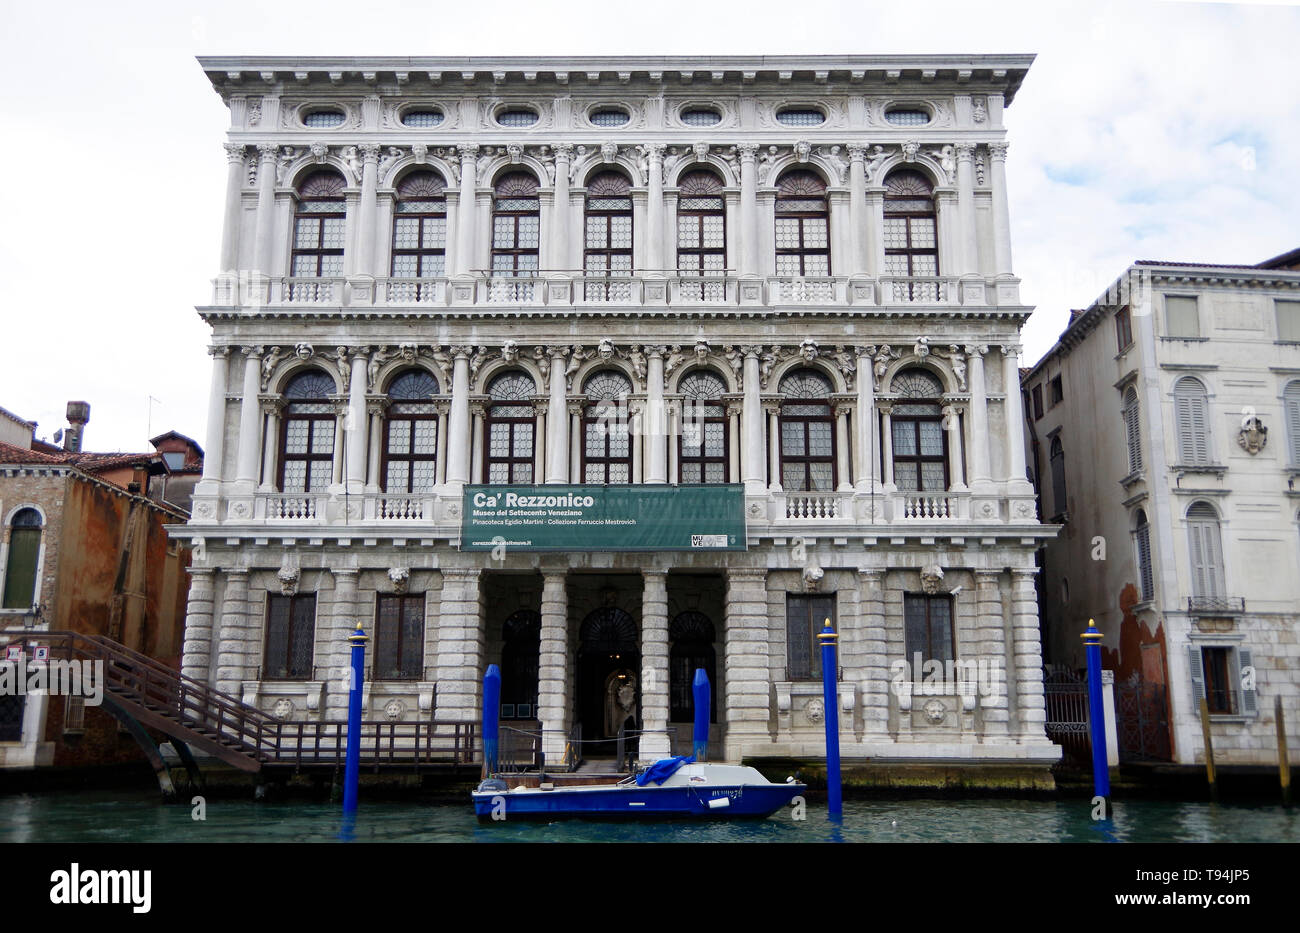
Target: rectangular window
x,y
1288,319
1037,394
1181,317
1057,390
805,616
399,637
1218,681
927,627
11,717
290,637
1123,328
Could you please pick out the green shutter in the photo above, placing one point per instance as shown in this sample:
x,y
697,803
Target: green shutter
x,y
1197,668
20,568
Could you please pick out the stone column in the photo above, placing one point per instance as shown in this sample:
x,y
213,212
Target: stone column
x,y
968,250
876,673
858,211
733,442
557,467
887,447
267,154
654,209
1001,220
876,233
956,462
560,225
375,407
476,413
215,439
440,467
991,653
250,421
553,669
354,426
749,236
774,448
751,421
539,437
336,471
460,646
636,428
845,483
575,443
654,665
748,676
196,651
1031,712
1014,416
949,245
979,418
458,422
465,210
865,478
270,436
672,411
332,646
652,423
366,210
234,207
230,641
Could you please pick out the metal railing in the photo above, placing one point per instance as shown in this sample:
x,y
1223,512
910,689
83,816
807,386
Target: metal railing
x,y
1216,604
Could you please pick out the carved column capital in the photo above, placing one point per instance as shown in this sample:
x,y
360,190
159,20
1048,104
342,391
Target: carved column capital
x,y
467,151
223,352
998,151
857,153
563,151
975,350
370,152
965,152
461,352
268,152
747,151
234,152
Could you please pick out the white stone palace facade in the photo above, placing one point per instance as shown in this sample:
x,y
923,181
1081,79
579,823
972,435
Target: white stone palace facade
x,y
1165,426
787,275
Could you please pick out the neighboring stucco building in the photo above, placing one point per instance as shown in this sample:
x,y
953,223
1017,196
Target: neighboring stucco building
x,y
1165,434
786,279
82,550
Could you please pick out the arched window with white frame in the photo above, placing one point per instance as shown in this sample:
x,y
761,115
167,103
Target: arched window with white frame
x,y
516,225
701,235
911,235
802,225
318,226
920,441
606,441
510,453
607,238
1205,551
807,432
1142,551
307,435
411,433
419,231
703,439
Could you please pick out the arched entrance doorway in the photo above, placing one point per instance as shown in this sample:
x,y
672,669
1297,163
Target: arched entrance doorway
x,y
692,635
609,678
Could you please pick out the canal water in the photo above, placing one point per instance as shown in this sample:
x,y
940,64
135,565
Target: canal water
x,y
123,816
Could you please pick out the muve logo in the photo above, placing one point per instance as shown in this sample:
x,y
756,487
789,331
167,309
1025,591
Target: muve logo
x,y
76,886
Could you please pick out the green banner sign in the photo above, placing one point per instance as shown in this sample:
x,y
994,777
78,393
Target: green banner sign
x,y
603,518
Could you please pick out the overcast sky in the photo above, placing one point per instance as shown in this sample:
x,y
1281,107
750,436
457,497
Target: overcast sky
x,y
1145,130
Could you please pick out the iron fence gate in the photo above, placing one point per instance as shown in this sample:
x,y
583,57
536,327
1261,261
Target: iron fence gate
x,y
1066,696
1142,720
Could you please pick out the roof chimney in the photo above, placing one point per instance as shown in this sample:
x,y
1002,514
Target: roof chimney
x,y
78,415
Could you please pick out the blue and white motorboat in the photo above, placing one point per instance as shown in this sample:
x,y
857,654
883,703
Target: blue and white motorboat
x,y
669,788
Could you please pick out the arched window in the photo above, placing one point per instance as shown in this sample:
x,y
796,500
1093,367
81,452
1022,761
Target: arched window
x,y
701,234
1191,415
1291,408
692,635
22,560
802,225
318,226
516,225
608,239
807,432
521,638
411,433
703,439
911,241
1142,549
420,228
307,438
607,444
920,442
1057,460
1131,430
1205,549
510,422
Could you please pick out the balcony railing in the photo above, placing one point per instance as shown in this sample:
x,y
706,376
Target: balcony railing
x,y
311,291
595,290
510,290
918,290
705,289
1235,604
399,508
803,291
813,506
279,507
415,291
930,506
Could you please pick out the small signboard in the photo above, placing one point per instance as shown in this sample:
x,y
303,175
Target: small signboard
x,y
41,653
604,518
13,652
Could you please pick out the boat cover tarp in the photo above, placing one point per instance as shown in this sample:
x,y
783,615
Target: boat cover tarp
x,y
662,769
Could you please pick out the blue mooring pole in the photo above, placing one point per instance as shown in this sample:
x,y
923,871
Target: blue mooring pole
x,y
352,770
491,719
1097,716
703,705
830,674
